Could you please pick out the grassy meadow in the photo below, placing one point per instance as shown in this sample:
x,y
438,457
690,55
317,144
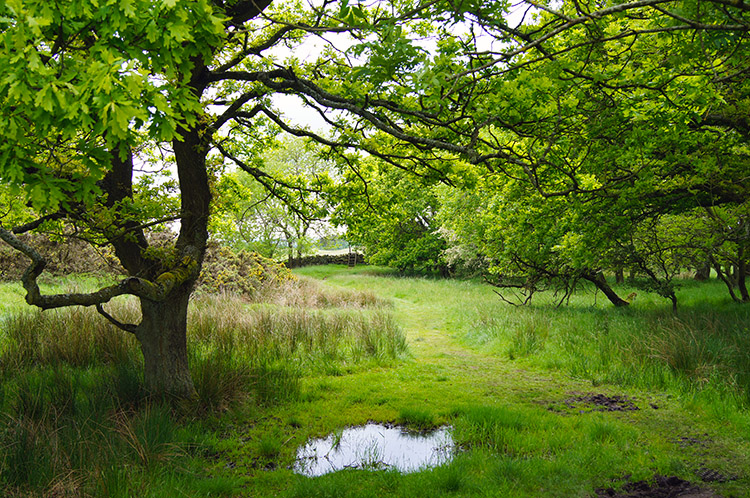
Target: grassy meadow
x,y
341,347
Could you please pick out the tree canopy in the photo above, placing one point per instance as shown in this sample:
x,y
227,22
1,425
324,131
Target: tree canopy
x,y
597,134
589,122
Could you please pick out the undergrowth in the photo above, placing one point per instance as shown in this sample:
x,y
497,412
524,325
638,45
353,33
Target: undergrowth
x,y
75,420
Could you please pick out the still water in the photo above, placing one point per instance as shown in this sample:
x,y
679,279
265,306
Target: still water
x,y
375,447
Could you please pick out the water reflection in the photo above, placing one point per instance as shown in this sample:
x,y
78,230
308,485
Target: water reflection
x,y
375,447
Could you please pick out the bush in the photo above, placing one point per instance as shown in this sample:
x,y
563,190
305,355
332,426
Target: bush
x,y
64,257
242,272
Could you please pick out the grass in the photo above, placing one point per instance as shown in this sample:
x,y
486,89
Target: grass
x,y
418,418
330,351
75,420
471,348
702,349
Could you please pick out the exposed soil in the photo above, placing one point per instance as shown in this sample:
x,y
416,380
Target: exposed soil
x,y
661,487
704,472
711,475
589,402
693,441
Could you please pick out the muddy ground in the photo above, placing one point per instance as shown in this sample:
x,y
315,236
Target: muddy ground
x,y
660,487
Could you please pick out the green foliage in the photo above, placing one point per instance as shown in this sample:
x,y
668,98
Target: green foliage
x,y
95,81
280,212
391,214
602,157
416,418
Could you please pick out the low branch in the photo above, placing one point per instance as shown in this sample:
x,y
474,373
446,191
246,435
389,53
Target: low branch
x,y
737,4
127,327
155,291
735,121
597,278
33,225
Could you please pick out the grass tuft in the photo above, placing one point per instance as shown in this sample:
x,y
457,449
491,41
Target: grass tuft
x,y
418,418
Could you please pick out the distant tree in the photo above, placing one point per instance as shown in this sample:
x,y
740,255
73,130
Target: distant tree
x,y
252,217
238,224
724,233
530,243
390,213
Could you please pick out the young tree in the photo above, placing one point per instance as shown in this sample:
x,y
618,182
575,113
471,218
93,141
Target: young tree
x,y
244,216
251,217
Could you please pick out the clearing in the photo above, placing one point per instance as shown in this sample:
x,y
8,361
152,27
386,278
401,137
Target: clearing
x,y
527,430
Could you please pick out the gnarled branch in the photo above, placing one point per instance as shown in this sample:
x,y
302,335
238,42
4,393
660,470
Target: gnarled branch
x,y
155,291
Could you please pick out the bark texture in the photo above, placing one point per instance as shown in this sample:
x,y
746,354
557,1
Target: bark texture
x,y
703,273
163,339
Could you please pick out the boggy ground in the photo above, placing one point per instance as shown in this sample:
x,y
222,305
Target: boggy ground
x,y
526,431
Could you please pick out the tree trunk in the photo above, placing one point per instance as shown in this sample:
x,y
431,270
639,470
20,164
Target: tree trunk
x,y
703,273
741,274
619,276
601,283
163,337
724,278
673,297
732,274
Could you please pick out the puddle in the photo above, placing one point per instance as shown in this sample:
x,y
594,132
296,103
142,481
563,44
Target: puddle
x,y
375,447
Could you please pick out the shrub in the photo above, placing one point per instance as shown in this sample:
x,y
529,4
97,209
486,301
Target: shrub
x,y
241,272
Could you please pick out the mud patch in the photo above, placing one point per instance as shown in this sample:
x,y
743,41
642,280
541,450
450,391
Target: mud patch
x,y
698,445
661,487
693,441
583,403
712,475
